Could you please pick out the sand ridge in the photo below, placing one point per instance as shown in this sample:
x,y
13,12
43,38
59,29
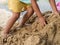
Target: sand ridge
x,y
35,34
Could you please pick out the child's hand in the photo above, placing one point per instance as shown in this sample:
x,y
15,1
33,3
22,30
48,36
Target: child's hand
x,y
42,21
56,13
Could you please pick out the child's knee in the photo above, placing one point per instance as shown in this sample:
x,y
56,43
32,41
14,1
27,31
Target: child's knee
x,y
30,9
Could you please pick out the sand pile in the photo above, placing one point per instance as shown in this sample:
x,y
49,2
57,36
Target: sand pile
x,y
35,34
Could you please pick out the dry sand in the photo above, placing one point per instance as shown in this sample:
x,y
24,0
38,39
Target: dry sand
x,y
35,34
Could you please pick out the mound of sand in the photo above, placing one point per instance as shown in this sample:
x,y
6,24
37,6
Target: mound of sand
x,y
35,34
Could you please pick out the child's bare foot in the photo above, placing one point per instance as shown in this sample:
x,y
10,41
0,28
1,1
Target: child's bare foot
x,y
4,35
18,27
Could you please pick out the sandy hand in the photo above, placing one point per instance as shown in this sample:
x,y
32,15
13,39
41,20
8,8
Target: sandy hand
x,y
56,13
42,21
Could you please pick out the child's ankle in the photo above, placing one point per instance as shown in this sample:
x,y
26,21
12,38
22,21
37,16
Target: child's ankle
x,y
4,32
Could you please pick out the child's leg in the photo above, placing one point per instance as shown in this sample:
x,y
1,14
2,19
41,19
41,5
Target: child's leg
x,y
10,23
27,15
53,4
38,12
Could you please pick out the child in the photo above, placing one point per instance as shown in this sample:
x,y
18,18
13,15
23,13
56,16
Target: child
x,y
16,7
53,5
36,9
39,14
